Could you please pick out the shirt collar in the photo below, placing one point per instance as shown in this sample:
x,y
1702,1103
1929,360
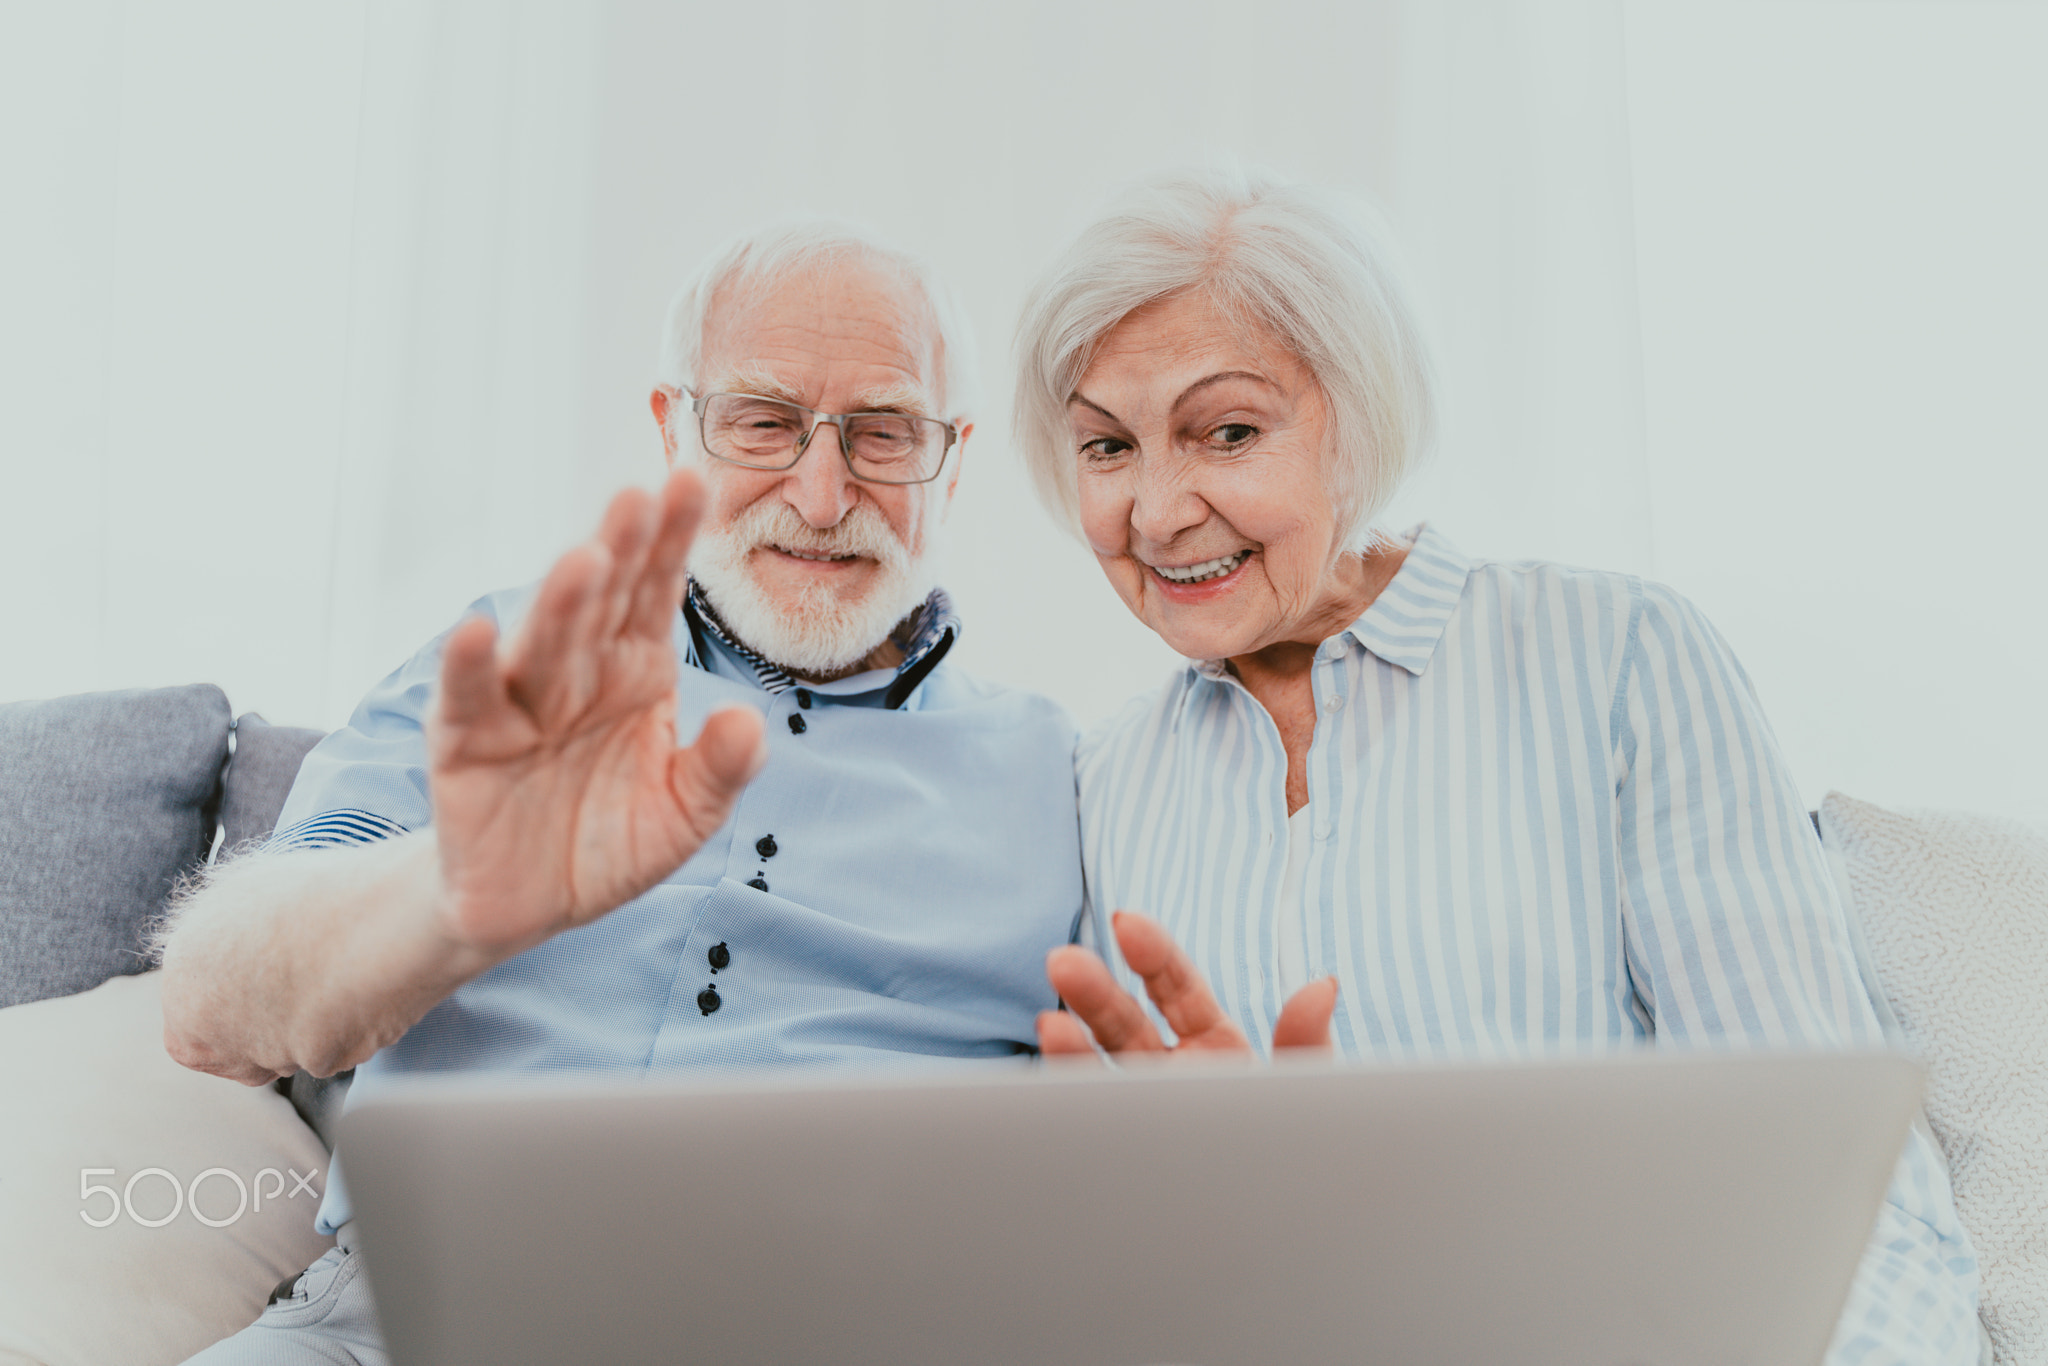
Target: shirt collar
x,y
924,636
1406,622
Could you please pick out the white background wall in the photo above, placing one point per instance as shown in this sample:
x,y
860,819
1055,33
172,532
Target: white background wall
x,y
317,322
1842,229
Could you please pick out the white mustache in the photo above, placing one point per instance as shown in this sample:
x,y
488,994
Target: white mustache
x,y
816,625
775,524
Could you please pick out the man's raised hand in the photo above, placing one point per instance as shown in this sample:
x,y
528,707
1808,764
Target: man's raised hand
x,y
559,792
1099,1012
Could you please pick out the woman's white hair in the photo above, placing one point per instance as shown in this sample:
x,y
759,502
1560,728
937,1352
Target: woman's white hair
x,y
1300,263
753,264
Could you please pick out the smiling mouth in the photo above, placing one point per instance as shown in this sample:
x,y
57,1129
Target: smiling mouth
x,y
1203,572
815,556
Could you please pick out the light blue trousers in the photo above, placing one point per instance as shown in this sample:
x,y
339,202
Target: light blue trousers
x,y
329,1320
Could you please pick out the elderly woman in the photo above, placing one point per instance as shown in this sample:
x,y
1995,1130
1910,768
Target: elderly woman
x,y
1475,806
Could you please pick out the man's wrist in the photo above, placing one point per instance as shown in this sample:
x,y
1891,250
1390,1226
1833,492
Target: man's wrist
x,y
464,931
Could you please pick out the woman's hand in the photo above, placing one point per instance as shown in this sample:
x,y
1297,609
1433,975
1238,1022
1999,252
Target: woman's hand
x,y
1101,1012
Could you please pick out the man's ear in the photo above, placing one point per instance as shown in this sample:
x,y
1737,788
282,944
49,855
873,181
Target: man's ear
x,y
660,401
960,462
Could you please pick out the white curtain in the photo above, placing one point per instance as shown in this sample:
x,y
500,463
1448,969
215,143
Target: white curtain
x,y
179,200
1512,185
292,345
321,321
1840,211
457,469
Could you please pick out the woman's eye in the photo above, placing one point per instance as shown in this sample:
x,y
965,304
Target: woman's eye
x,y
1105,448
1232,434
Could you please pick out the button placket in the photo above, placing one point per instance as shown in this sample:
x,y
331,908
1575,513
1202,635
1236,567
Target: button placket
x,y
766,848
1321,793
719,956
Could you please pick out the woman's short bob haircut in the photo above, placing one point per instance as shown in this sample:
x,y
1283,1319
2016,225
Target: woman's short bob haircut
x,y
1299,263
755,263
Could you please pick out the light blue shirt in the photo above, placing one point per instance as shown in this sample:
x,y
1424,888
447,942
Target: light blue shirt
x,y
885,891
1544,812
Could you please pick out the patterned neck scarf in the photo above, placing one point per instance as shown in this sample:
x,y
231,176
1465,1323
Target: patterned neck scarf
x,y
924,637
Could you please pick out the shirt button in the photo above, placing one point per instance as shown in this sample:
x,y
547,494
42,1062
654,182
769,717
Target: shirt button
x,y
765,846
759,884
707,1000
796,725
720,956
1323,831
1334,705
803,698
1332,650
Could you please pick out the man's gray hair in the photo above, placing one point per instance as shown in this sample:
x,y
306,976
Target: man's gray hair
x,y
756,262
1301,263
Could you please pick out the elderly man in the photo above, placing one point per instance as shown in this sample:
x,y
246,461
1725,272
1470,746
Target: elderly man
x,y
505,861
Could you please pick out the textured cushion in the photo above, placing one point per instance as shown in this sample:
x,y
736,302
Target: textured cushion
x,y
1954,911
95,1090
104,799
253,789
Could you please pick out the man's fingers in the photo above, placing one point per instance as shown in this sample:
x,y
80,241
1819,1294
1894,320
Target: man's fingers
x,y
1174,985
1061,1035
628,532
1305,1020
706,777
733,745
552,645
1085,983
472,689
660,589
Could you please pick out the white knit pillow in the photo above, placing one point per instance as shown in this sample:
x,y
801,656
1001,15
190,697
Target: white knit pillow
x,y
129,1272
1954,910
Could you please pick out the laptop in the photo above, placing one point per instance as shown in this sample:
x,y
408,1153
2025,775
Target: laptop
x,y
1617,1211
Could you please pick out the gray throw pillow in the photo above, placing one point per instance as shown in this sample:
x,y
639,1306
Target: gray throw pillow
x,y
258,778
104,799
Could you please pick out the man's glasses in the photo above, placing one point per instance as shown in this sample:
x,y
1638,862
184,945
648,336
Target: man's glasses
x,y
766,434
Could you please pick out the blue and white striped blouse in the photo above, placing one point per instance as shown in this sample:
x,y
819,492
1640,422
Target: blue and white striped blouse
x,y
1545,812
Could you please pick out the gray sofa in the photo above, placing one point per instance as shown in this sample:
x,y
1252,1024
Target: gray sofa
x,y
106,801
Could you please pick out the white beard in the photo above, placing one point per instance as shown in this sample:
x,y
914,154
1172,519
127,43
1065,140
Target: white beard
x,y
821,632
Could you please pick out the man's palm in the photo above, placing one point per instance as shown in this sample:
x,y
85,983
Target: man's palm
x,y
558,789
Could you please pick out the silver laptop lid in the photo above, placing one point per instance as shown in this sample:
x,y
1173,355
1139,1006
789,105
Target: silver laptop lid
x,y
1635,1209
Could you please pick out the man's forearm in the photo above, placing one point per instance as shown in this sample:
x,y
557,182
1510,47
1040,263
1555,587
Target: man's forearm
x,y
311,959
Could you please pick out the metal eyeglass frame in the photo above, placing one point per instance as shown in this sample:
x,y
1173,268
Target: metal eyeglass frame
x,y
816,419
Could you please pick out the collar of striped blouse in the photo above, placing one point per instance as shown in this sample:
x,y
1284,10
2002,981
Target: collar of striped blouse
x,y
1404,625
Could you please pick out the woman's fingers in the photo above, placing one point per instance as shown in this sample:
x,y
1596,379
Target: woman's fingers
x,y
1305,1020
1084,982
1061,1035
1174,985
